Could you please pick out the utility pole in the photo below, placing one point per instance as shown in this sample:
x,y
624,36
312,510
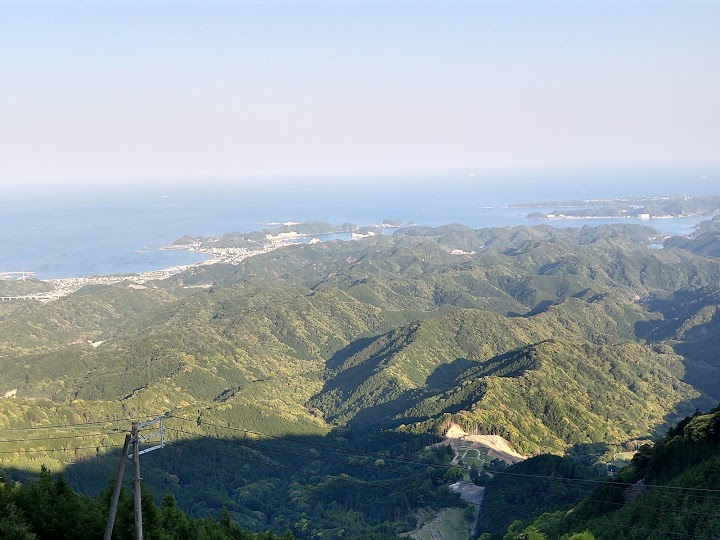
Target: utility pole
x,y
136,478
135,438
116,492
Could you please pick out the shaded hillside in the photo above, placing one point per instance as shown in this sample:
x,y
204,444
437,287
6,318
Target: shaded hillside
x,y
669,490
549,337
537,485
48,509
557,378
690,324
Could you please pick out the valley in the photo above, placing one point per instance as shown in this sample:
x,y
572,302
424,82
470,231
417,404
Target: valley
x,y
342,386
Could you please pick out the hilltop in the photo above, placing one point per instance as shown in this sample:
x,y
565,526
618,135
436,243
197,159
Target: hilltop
x,y
554,339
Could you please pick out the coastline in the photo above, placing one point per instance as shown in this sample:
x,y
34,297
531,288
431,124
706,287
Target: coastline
x,y
66,286
62,287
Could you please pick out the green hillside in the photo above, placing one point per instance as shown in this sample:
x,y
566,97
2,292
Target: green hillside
x,y
670,490
534,380
552,338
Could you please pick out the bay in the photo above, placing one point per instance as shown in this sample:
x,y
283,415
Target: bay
x,y
104,232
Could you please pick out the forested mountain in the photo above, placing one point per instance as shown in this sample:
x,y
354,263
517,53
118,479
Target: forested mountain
x,y
538,485
670,490
363,353
563,388
704,241
48,509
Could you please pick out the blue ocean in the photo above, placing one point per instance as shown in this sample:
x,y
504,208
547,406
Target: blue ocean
x,y
114,231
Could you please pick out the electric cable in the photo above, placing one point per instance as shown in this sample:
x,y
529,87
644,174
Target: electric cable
x,y
81,425
57,438
348,479
480,505
316,458
46,450
570,498
604,483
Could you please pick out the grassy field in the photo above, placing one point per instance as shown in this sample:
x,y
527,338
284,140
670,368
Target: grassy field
x,y
472,456
448,524
622,459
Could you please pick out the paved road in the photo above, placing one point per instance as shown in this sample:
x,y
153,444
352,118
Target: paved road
x,y
472,494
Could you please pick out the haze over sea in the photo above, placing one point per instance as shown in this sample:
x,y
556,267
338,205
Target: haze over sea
x,y
110,231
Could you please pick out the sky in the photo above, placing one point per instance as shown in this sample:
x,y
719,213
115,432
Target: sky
x,y
137,92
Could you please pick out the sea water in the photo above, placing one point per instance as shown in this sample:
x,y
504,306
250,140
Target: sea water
x,y
102,232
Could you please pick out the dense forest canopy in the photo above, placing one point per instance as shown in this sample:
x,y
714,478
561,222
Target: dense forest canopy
x,y
304,388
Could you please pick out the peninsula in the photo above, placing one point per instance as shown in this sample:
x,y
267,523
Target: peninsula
x,y
642,208
231,248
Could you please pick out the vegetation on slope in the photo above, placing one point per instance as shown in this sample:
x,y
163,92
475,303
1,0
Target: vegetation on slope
x,y
552,338
544,483
533,380
48,509
669,490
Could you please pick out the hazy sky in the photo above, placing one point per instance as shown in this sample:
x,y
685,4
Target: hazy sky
x,y
139,90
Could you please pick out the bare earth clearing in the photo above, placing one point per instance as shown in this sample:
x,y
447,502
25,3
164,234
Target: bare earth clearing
x,y
445,524
497,446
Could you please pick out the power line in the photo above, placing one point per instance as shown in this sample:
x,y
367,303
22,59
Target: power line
x,y
58,438
612,503
290,439
570,498
316,458
335,477
669,490
46,450
306,473
605,483
255,444
480,505
81,425
368,484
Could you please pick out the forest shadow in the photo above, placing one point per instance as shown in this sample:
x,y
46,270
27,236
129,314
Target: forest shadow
x,y
384,403
340,357
675,309
253,477
682,410
438,396
541,307
702,365
588,453
445,376
697,344
442,380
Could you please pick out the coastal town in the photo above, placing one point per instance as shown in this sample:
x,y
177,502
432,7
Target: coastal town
x,y
229,249
59,288
232,248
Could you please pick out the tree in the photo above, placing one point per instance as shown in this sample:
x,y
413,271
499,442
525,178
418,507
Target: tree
x,y
12,524
453,474
586,535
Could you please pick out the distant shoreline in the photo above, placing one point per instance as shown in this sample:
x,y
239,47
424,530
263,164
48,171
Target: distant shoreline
x,y
66,286
233,255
